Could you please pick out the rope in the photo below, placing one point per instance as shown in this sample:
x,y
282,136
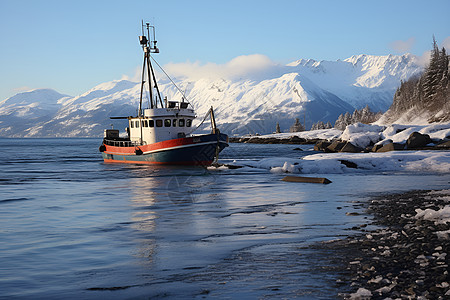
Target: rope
x,y
216,157
204,119
182,93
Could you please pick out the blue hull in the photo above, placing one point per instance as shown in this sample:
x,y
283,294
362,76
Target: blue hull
x,y
201,152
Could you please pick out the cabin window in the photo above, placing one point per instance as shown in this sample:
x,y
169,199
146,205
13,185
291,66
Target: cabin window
x,y
188,123
145,123
151,123
132,124
181,123
174,122
167,123
159,123
137,124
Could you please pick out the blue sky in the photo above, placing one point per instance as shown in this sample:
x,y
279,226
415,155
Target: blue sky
x,y
71,46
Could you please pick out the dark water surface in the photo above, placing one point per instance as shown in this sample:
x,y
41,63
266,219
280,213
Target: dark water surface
x,y
72,226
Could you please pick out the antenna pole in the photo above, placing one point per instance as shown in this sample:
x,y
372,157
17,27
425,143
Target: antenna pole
x,y
148,44
142,88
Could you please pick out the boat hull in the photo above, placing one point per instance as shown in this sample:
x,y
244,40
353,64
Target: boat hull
x,y
198,150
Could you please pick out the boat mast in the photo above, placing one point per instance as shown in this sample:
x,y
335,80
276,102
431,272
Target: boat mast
x,y
148,44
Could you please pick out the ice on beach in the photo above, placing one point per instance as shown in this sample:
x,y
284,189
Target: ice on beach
x,y
363,135
440,216
360,294
334,163
286,168
443,235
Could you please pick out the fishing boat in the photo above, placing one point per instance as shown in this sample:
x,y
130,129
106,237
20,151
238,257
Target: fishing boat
x,y
162,133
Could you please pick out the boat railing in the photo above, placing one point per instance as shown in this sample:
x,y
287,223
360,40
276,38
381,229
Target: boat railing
x,y
121,143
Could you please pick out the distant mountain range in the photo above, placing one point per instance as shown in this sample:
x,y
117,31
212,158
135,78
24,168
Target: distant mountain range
x,y
306,89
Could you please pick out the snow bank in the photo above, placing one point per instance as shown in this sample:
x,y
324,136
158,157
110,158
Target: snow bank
x,y
440,216
322,134
362,135
338,163
361,294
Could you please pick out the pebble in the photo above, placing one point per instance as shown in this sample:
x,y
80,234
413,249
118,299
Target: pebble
x,y
403,258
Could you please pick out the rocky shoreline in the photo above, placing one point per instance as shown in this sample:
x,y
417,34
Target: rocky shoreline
x,y
416,141
407,257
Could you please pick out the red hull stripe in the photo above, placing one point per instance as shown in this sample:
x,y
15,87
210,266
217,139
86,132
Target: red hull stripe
x,y
131,150
164,145
182,146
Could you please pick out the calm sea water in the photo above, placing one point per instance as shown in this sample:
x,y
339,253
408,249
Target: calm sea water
x,y
72,226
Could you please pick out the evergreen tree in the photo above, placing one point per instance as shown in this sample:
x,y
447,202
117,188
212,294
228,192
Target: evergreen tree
x,y
432,76
297,126
364,115
347,119
428,94
339,124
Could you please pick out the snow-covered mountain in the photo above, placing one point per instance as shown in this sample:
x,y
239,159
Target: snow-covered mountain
x,y
305,89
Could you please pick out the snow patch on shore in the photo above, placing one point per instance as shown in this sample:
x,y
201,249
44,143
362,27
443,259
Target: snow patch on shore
x,y
337,163
440,216
362,135
322,134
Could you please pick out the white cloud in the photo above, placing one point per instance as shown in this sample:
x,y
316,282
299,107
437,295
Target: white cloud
x,y
135,76
424,59
242,66
446,44
403,46
22,89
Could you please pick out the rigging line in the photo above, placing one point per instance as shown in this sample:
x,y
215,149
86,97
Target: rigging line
x,y
171,80
204,119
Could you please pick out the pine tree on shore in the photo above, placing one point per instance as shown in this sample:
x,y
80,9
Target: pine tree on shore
x,y
364,115
278,129
427,94
297,126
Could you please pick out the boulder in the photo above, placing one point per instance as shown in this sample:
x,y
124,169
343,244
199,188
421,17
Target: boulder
x,y
376,147
444,145
391,147
418,140
321,145
336,146
380,144
349,147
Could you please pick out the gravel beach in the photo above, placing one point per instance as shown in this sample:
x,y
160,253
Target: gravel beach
x,y
404,254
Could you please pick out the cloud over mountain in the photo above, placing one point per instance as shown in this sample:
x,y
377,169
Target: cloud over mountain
x,y
250,94
244,66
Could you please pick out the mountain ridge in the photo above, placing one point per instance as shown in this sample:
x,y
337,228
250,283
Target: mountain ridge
x,y
306,89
